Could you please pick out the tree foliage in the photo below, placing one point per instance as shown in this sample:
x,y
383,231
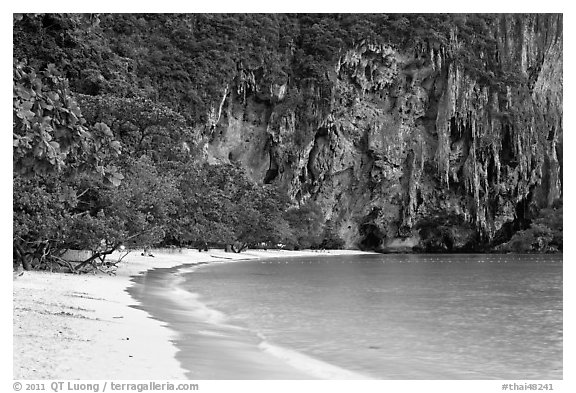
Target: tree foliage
x,y
220,205
49,132
53,147
545,233
110,112
307,223
143,126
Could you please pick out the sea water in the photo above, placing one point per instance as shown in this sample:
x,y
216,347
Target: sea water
x,y
365,316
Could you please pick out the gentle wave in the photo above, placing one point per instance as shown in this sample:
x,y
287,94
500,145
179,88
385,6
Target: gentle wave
x,y
309,365
199,310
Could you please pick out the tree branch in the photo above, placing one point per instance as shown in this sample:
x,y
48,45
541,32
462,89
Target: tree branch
x,y
82,193
109,251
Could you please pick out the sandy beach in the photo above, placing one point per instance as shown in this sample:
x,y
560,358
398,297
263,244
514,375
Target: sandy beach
x,y
85,326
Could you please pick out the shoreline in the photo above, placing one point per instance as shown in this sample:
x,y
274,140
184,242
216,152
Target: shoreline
x,y
88,326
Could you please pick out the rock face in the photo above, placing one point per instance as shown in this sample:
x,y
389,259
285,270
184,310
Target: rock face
x,y
410,148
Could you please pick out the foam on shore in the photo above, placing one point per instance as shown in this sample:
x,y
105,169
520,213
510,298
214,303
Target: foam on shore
x,y
75,326
310,366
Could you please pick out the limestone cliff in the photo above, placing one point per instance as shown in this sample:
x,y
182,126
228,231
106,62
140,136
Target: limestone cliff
x,y
411,147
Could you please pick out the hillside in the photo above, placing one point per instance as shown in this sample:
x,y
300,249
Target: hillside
x,y
380,132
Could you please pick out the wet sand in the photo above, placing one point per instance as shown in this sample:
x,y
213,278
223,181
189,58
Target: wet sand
x,y
89,326
210,348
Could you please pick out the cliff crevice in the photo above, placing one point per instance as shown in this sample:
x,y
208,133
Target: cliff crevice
x,y
413,147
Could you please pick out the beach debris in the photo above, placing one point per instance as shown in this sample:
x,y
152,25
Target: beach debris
x,y
19,272
147,252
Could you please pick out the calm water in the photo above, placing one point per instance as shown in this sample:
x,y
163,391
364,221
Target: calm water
x,y
369,316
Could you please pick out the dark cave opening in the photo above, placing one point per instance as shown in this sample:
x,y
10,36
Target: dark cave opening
x,y
371,237
455,132
523,213
504,234
507,154
271,174
492,171
322,132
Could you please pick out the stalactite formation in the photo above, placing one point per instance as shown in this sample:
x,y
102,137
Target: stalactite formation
x,y
416,143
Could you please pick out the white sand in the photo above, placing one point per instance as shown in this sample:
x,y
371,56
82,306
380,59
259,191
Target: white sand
x,y
82,326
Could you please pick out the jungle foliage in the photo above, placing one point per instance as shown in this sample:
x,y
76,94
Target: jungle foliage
x,y
109,112
544,234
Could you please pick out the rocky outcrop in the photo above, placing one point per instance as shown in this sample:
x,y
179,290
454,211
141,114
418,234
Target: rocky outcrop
x,y
411,148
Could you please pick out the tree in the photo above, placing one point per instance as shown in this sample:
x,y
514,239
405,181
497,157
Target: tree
x,y
136,213
40,206
142,125
330,238
545,233
220,205
49,131
260,217
307,225
52,145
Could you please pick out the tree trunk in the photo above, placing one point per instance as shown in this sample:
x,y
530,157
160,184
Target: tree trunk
x,y
26,263
96,256
243,246
20,258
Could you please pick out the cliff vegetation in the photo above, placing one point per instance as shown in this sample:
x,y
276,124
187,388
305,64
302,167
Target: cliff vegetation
x,y
435,133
